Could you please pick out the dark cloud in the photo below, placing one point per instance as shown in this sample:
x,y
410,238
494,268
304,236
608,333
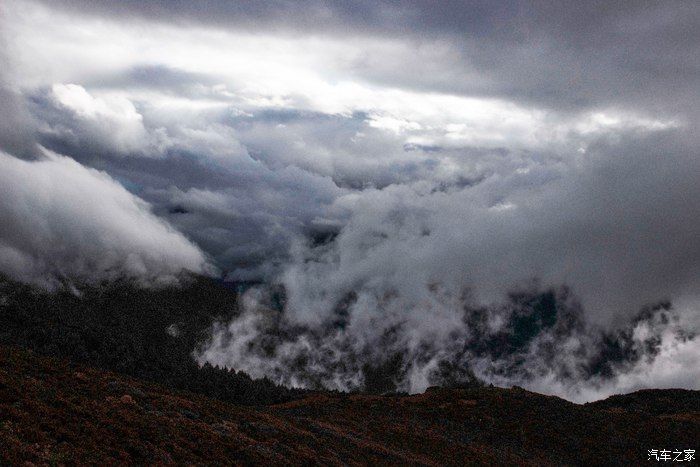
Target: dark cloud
x,y
16,134
563,54
397,172
16,127
265,189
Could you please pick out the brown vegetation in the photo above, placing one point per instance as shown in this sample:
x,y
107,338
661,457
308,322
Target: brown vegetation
x,y
53,412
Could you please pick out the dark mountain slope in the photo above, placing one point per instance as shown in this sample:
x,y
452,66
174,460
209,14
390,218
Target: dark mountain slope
x,y
653,401
145,333
53,412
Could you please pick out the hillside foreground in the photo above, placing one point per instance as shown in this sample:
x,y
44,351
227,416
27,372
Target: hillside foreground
x,y
53,412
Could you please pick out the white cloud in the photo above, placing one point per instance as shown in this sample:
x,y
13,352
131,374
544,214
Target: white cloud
x,y
62,221
449,168
411,260
110,122
263,71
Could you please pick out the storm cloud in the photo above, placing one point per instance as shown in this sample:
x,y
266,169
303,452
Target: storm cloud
x,y
565,54
384,169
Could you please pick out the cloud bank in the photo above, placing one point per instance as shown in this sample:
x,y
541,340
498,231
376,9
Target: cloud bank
x,y
64,222
409,182
415,269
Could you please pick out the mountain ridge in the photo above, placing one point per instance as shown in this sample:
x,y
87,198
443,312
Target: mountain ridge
x,y
55,412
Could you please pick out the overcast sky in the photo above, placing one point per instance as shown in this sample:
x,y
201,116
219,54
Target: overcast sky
x,y
419,157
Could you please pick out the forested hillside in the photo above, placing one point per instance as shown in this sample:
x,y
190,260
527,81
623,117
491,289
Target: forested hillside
x,y
145,333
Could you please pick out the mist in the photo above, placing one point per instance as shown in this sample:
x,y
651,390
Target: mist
x,y
410,196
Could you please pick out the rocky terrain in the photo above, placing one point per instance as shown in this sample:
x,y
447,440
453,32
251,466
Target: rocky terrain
x,y
54,412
